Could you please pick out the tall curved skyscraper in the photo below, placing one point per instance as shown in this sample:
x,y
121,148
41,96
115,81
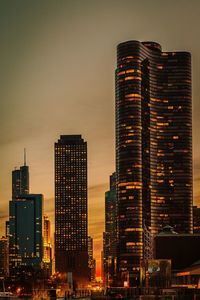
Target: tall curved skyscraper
x,y
153,146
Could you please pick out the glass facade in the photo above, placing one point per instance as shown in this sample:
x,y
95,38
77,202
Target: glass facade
x,y
20,181
91,260
71,225
153,146
25,232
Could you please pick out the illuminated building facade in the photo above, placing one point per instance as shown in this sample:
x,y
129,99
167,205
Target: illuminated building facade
x,y
47,249
153,146
71,225
91,260
20,180
25,232
4,267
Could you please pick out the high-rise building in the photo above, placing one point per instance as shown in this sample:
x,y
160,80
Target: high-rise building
x,y
47,249
4,267
25,232
71,225
91,260
153,146
111,232
20,180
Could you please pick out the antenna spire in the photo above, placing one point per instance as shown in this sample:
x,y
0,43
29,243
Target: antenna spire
x,y
24,156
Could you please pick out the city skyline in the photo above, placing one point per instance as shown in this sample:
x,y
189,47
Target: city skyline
x,y
35,67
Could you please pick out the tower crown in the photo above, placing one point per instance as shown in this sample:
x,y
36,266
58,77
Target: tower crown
x,y
152,45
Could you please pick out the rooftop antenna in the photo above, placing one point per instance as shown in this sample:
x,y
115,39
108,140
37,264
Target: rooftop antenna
x,y
24,156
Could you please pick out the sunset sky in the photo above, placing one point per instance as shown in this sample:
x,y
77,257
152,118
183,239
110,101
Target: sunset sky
x,y
57,62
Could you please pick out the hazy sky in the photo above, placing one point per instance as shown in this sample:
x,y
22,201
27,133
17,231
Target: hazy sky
x,y
57,62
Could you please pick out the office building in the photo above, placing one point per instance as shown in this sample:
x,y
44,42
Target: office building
x,y
25,232
47,249
153,147
4,267
71,225
20,180
91,260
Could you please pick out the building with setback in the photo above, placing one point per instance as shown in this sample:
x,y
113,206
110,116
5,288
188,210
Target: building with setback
x,y
71,225
153,146
20,180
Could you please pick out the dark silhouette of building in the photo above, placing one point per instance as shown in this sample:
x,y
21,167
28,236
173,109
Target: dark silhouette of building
x,y
182,249
111,233
20,180
4,267
71,225
153,146
7,229
25,233
196,219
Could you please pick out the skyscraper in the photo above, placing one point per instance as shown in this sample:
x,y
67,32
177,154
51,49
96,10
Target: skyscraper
x,y
47,250
20,180
91,260
71,225
25,232
153,146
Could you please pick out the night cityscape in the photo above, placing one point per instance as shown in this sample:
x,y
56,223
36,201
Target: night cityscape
x,y
99,156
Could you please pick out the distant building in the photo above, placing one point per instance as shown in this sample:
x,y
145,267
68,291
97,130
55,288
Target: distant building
x,y
102,264
182,249
91,260
4,267
20,180
25,232
71,224
196,219
7,229
47,249
111,233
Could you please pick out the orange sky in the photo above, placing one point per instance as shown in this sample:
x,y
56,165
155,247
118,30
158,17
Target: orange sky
x,y
57,77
